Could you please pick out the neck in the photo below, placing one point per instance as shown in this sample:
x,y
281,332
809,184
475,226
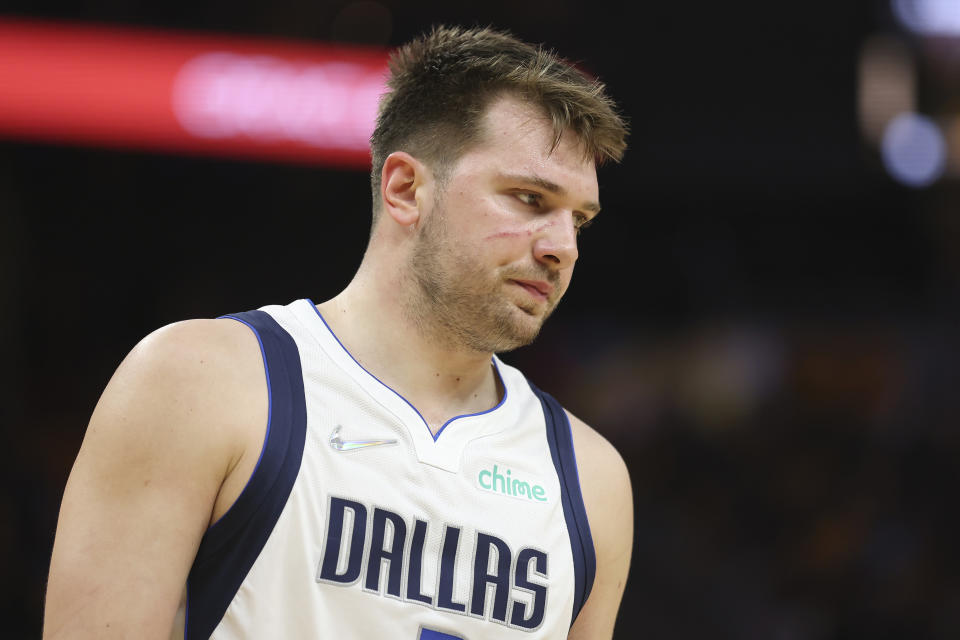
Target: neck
x,y
441,379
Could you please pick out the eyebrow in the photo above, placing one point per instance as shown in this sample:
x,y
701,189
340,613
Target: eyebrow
x,y
548,185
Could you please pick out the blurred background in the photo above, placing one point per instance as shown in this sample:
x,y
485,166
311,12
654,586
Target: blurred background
x,y
763,321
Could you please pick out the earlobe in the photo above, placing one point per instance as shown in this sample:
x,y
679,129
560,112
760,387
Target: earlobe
x,y
402,175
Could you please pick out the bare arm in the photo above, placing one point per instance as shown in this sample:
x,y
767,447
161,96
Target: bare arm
x,y
166,433
608,498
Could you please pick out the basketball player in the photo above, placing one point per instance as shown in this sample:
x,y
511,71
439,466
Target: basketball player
x,y
367,467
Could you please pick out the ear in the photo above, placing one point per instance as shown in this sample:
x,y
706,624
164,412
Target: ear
x,y
400,179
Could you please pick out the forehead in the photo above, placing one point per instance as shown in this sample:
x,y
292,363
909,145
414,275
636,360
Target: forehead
x,y
518,138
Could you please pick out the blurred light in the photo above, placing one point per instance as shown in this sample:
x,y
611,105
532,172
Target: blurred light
x,y
914,150
331,104
288,101
886,84
929,17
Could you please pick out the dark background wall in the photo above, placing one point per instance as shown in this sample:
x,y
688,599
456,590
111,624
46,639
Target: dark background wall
x,y
762,321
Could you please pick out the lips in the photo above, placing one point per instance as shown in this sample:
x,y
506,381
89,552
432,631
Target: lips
x,y
538,288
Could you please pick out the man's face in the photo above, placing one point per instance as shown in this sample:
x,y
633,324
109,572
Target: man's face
x,y
495,250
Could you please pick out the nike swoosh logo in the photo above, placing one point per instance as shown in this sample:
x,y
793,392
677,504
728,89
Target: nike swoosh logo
x,y
349,445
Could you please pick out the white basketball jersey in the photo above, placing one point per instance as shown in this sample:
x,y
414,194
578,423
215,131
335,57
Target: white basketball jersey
x,y
358,523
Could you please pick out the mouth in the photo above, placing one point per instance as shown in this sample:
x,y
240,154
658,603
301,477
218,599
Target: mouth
x,y
537,288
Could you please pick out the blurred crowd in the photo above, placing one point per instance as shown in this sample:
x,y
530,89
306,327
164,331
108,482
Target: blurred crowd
x,y
791,482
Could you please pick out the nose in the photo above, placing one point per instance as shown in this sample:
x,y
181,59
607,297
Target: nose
x,y
556,243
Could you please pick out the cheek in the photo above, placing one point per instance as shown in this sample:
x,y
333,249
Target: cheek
x,y
506,235
525,232
566,275
514,230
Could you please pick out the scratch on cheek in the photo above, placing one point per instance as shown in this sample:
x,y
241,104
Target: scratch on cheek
x,y
504,234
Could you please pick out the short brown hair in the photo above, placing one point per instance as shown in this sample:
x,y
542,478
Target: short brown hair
x,y
442,82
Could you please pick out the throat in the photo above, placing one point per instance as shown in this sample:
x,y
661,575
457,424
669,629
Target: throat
x,y
454,399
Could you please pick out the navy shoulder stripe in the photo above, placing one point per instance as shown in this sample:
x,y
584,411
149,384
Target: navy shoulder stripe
x,y
230,547
560,439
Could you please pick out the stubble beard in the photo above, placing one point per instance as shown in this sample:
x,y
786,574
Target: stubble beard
x,y
458,303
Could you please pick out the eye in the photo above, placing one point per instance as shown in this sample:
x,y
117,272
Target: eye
x,y
581,222
530,199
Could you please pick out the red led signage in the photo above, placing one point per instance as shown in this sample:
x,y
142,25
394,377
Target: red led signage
x,y
266,99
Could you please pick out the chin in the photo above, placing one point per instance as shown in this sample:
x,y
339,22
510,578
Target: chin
x,y
506,327
522,333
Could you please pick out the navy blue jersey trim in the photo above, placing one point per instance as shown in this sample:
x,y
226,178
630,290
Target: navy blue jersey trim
x,y
231,545
560,439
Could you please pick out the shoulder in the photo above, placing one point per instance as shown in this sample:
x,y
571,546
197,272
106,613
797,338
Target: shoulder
x,y
191,357
179,418
188,406
601,467
203,371
188,345
191,381
608,499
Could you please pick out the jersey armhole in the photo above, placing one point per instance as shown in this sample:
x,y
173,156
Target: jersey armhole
x,y
560,439
231,545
